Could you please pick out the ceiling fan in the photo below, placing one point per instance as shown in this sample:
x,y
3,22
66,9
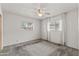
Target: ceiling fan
x,y
41,11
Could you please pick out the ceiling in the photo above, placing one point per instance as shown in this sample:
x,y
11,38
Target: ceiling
x,y
29,9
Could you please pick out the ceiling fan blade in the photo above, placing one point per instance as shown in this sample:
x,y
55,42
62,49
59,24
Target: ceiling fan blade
x,y
47,13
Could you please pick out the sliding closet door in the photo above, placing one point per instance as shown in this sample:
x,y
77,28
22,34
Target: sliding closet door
x,y
55,37
56,30
0,32
72,29
78,26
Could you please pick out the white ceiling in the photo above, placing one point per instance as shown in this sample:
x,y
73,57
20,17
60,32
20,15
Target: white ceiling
x,y
29,9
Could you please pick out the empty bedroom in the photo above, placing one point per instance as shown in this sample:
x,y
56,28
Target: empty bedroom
x,y
39,29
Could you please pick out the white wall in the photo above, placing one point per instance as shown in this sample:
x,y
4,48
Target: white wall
x,y
44,31
13,33
72,29
0,8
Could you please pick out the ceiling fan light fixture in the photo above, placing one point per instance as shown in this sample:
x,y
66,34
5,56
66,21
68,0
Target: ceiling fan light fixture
x,y
39,12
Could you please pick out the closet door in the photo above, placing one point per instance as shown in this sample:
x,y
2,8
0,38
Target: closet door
x,y
72,29
0,32
55,30
78,26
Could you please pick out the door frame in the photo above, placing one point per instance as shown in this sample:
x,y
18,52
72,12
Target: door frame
x,y
1,20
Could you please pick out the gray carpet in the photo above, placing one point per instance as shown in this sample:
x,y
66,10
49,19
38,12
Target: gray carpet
x,y
41,48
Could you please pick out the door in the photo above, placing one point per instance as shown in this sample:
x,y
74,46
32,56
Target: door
x,y
72,29
55,33
0,32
